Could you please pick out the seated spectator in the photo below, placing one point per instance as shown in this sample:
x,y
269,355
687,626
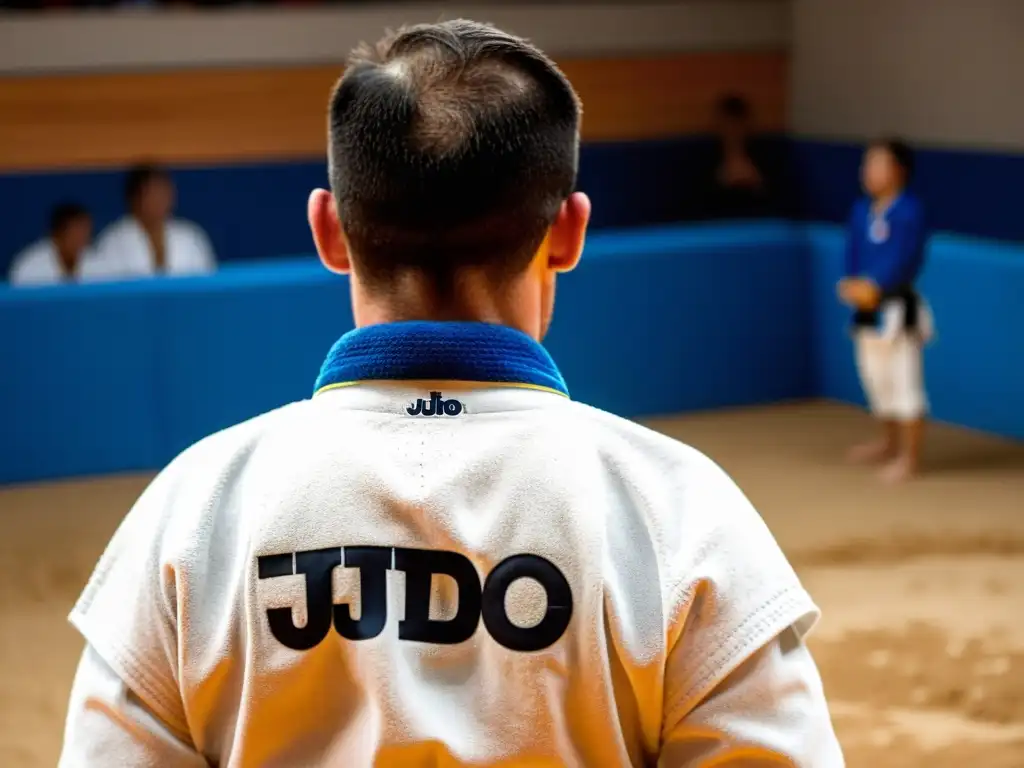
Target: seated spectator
x,y
736,183
148,241
64,256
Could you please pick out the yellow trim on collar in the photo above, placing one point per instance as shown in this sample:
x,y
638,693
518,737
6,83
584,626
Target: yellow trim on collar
x,y
448,384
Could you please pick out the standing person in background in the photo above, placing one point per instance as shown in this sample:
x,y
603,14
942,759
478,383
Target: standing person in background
x,y
64,256
884,257
148,241
735,183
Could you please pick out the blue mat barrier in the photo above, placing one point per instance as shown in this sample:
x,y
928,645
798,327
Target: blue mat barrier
x,y
119,377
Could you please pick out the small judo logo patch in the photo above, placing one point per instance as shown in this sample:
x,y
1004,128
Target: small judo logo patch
x,y
435,406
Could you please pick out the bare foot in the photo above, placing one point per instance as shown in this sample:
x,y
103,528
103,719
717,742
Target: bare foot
x,y
899,470
871,453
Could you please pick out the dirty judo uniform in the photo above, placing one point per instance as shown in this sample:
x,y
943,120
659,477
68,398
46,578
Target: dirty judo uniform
x,y
888,247
441,559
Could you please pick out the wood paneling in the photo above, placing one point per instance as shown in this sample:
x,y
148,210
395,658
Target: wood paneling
x,y
208,116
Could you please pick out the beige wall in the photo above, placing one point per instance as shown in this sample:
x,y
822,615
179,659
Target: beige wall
x,y
943,72
145,39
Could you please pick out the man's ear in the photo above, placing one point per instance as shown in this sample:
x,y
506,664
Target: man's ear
x,y
568,233
327,232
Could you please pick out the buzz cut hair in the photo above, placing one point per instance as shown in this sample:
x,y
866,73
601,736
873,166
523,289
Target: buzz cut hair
x,y
452,146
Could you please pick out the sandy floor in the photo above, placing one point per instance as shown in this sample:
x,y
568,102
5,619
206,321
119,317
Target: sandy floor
x,y
921,647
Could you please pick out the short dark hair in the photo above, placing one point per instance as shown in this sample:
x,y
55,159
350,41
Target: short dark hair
x,y
733,106
64,214
900,152
451,145
139,176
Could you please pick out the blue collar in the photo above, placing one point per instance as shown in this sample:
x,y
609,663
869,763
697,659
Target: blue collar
x,y
429,351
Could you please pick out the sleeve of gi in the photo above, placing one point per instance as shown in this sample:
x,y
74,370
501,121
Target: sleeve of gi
x,y
109,724
128,615
741,687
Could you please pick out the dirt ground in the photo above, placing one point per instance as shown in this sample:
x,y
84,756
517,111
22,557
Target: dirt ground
x,y
921,646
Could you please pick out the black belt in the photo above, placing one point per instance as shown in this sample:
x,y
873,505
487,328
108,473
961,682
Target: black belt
x,y
871,318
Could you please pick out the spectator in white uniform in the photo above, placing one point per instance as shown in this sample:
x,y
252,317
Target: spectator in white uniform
x,y
149,241
63,256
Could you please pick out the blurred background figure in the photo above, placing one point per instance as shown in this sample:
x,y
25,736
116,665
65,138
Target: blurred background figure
x,y
885,254
736,183
61,256
149,241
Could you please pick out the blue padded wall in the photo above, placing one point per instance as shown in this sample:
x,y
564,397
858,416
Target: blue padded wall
x,y
106,378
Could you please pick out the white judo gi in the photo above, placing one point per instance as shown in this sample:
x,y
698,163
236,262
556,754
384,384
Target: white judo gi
x,y
441,559
39,264
124,250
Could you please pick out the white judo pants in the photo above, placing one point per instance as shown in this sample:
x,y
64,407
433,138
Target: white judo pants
x,y
891,365
892,375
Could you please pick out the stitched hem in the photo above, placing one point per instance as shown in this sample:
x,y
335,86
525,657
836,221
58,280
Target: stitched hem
x,y
146,685
783,609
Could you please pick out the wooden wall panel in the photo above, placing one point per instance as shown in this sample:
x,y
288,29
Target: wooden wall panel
x,y
212,116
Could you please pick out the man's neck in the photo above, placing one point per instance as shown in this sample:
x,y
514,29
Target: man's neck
x,y
155,232
469,302
379,313
150,226
68,260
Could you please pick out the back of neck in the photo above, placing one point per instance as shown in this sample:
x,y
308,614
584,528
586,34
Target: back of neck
x,y
471,299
